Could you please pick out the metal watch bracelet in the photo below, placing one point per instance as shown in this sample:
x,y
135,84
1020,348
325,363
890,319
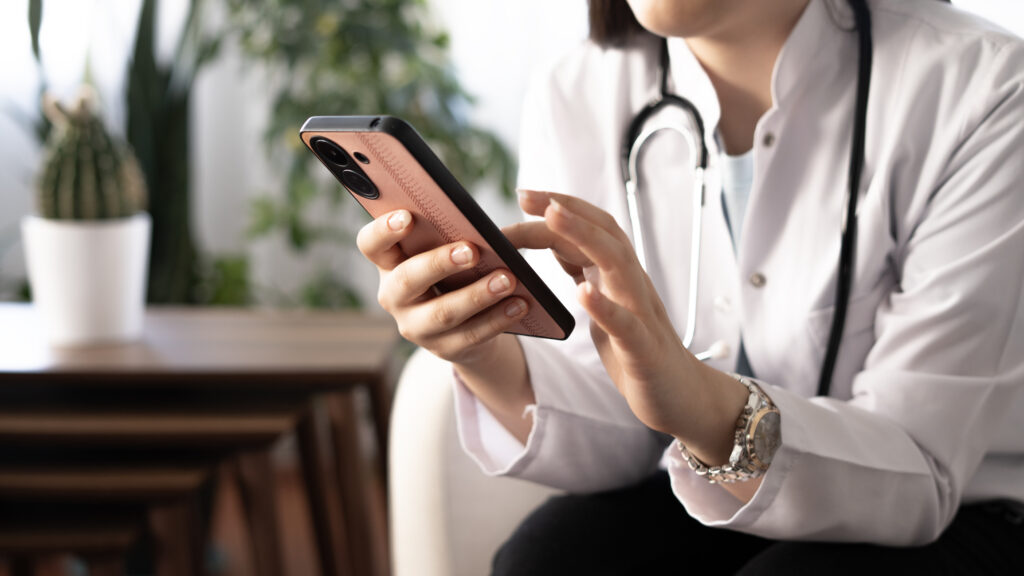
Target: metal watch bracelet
x,y
744,463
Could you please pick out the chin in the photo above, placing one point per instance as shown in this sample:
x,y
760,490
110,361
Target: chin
x,y
681,17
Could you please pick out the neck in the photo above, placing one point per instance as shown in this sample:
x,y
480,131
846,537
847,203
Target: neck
x,y
739,58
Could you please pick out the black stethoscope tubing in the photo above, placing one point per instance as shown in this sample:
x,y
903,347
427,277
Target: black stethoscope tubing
x,y
856,166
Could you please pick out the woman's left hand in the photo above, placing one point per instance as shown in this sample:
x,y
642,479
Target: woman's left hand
x,y
666,387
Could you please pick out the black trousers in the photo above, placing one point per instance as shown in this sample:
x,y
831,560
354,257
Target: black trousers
x,y
644,530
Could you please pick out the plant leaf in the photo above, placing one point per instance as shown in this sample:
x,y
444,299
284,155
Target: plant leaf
x,y
35,21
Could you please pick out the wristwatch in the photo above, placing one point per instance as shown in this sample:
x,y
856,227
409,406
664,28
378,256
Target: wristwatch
x,y
758,436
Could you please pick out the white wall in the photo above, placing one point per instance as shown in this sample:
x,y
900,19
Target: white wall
x,y
1008,13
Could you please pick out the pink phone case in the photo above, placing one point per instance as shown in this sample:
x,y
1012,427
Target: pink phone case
x,y
398,164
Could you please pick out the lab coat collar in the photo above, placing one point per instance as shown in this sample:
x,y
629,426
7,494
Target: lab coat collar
x,y
691,82
802,54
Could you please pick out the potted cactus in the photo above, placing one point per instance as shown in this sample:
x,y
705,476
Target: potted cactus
x,y
87,250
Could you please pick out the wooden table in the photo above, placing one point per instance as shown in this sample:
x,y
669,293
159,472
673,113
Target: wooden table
x,y
211,381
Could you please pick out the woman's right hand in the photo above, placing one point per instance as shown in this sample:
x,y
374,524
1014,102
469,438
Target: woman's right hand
x,y
460,326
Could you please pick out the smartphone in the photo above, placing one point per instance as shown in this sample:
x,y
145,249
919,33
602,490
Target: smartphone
x,y
385,165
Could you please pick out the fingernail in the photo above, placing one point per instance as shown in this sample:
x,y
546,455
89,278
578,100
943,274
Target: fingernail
x,y
515,308
499,284
462,255
398,220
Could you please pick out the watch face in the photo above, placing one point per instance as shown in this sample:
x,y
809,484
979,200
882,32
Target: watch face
x,y
767,436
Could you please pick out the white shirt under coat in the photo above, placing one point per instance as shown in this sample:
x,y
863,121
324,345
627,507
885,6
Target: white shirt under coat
x,y
926,408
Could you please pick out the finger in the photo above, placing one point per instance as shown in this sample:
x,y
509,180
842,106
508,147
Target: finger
x,y
535,235
496,320
598,335
378,240
608,357
614,320
450,310
418,274
533,201
615,258
536,203
573,270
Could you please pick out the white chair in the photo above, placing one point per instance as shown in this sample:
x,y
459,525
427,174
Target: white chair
x,y
447,517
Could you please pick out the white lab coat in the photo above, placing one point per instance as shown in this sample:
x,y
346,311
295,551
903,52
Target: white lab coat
x,y
926,408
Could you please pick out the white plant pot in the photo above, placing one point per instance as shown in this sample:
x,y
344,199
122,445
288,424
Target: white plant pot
x,y
88,278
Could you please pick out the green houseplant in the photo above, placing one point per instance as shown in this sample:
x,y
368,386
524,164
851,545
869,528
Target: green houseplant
x,y
323,57
88,248
157,103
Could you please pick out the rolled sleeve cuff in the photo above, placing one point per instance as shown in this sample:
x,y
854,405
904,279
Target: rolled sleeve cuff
x,y
485,439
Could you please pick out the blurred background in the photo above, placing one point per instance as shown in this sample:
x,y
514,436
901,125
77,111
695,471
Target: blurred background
x,y
211,94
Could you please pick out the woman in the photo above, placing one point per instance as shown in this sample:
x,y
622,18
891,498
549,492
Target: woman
x,y
914,458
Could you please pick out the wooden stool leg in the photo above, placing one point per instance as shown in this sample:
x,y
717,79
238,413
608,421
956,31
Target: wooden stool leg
x,y
380,402
348,461
324,506
259,497
176,528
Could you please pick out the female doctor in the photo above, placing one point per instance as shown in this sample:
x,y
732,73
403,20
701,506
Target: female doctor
x,y
912,453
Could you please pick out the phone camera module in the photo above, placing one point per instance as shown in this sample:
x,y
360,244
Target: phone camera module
x,y
362,157
331,152
359,184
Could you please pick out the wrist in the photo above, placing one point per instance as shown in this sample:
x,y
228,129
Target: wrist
x,y
501,382
711,436
491,361
756,438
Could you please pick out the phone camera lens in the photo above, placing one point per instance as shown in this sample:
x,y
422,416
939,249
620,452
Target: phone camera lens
x,y
331,152
362,157
359,184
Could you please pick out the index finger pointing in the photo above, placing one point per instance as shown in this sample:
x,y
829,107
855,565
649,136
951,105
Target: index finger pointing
x,y
535,235
535,203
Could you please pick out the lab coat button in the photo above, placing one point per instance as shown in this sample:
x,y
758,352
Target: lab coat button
x,y
757,280
768,140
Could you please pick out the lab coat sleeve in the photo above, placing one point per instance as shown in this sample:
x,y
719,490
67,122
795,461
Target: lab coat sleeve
x,y
584,437
890,465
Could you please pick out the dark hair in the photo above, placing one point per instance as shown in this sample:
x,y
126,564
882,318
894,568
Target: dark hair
x,y
612,22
